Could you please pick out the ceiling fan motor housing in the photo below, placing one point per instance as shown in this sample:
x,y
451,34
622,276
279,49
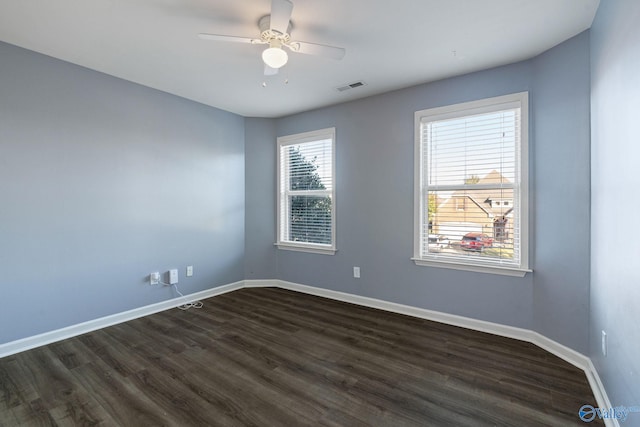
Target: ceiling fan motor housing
x,y
267,34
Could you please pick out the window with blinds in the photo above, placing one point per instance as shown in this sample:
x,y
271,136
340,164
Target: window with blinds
x,y
471,207
306,205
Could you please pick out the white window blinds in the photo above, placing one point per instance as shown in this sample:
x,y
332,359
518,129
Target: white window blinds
x,y
472,202
306,190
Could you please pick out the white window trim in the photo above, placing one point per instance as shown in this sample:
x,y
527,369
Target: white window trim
x,y
301,138
456,110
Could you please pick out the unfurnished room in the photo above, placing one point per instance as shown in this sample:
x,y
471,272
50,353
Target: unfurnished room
x,y
319,213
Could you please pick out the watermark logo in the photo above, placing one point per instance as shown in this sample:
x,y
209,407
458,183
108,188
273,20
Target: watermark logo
x,y
589,413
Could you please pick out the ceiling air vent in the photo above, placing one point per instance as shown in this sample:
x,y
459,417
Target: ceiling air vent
x,y
350,86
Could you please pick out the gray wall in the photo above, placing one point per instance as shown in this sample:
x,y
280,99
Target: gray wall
x,y
375,200
102,182
260,218
561,196
615,183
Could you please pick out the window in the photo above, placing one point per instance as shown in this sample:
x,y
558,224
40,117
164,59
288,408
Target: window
x,y
306,192
471,185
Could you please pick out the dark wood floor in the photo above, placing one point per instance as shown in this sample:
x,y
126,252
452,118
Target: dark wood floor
x,y
271,357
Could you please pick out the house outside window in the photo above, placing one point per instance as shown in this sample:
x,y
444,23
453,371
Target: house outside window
x,y
306,192
471,158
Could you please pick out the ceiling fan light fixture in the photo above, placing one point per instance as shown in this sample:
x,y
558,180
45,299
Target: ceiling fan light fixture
x,y
275,30
275,57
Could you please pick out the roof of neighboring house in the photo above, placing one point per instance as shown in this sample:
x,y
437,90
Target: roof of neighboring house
x,y
483,197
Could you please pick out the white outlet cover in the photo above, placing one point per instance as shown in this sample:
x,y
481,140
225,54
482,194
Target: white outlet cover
x,y
154,278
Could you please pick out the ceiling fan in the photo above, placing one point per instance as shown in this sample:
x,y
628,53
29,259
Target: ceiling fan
x,y
274,31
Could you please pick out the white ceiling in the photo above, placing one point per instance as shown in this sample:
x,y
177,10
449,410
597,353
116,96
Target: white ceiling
x,y
390,44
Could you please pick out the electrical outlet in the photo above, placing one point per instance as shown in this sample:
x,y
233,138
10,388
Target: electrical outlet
x,y
356,272
154,278
189,270
173,276
604,343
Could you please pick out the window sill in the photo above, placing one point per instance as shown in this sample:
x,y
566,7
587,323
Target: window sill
x,y
504,271
314,249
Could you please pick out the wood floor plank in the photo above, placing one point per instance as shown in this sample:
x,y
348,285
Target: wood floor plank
x,y
85,411
117,354
25,415
121,399
10,393
71,353
223,406
260,401
50,379
273,357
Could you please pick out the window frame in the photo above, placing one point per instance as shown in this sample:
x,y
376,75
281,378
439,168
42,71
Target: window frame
x,y
283,192
421,190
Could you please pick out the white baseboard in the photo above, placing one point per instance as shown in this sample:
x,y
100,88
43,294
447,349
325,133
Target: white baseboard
x,y
575,358
28,343
600,393
267,283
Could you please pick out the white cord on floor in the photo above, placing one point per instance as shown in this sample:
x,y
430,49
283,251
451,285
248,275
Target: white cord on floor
x,y
187,305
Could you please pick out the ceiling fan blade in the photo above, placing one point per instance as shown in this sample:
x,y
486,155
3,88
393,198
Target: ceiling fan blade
x,y
317,49
268,71
280,15
221,38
